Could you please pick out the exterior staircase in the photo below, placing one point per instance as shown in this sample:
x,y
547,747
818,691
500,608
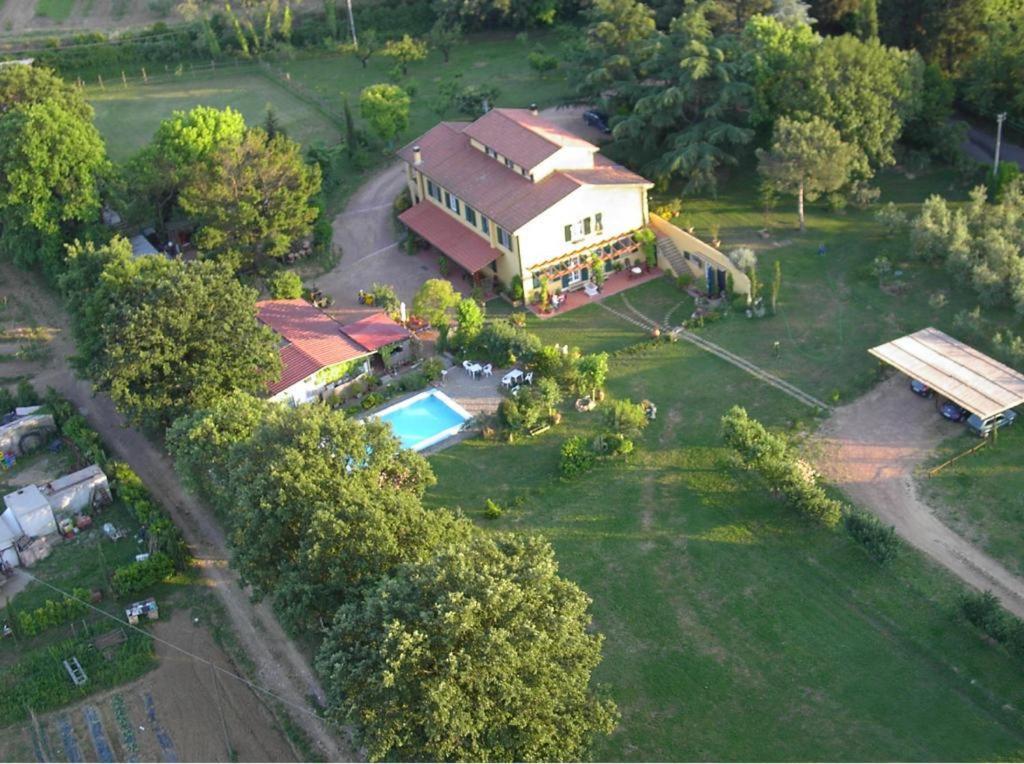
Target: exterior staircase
x,y
671,256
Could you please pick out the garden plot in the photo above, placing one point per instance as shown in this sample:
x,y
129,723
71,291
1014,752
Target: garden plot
x,y
177,712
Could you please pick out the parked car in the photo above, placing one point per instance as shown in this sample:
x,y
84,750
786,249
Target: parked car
x,y
952,412
920,388
597,120
982,428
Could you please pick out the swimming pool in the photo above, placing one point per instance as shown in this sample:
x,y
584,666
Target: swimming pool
x,y
425,419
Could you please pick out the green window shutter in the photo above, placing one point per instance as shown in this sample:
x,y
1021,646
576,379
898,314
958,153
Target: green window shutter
x,y
586,226
568,233
597,222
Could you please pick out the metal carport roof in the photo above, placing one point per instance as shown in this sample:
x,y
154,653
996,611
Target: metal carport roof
x,y
957,371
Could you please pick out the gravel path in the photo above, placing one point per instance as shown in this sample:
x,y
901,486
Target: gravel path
x,y
871,449
280,666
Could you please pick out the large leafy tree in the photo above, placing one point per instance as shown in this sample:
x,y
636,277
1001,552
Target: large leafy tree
x,y
693,113
183,146
317,504
405,50
445,34
806,159
482,653
166,336
51,161
434,301
386,108
616,52
775,55
253,199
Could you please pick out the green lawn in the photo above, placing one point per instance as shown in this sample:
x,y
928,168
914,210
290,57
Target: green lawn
x,y
128,117
733,630
831,309
58,10
982,495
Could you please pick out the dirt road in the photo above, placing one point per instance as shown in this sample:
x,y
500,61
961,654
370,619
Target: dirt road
x,y
280,666
871,449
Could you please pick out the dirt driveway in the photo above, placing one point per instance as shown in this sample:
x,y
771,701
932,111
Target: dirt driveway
x,y
280,666
367,235
871,449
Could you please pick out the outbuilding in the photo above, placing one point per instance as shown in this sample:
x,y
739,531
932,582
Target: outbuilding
x,y
966,376
30,510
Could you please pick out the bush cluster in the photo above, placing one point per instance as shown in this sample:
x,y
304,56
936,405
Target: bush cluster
x,y
984,611
163,534
534,407
769,455
878,539
139,576
53,613
504,344
577,457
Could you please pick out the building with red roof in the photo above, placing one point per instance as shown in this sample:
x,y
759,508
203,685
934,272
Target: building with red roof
x,y
513,194
317,352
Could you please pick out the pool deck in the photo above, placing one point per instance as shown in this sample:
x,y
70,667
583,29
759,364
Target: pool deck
x,y
479,396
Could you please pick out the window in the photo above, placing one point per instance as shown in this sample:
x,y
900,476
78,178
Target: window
x,y
433,190
568,233
578,230
586,226
490,152
504,239
509,163
470,215
452,202
485,224
598,225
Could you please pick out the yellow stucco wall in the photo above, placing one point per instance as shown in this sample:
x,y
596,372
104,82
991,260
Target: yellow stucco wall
x,y
687,242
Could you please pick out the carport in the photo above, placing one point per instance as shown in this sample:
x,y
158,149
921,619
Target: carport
x,y
958,372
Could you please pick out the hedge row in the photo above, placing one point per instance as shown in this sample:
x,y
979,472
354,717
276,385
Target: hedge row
x,y
53,613
164,536
137,576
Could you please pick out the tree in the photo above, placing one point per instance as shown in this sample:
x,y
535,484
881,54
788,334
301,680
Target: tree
x,y
173,336
626,418
434,300
445,35
792,13
351,137
369,43
386,108
470,317
593,371
807,159
481,653
776,284
285,285
183,145
51,159
617,48
319,505
331,19
867,20
405,51
272,125
25,85
776,53
253,200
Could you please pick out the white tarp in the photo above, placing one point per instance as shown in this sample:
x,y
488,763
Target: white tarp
x,y
32,511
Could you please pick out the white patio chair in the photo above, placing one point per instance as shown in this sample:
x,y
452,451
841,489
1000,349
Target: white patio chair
x,y
528,379
466,365
487,370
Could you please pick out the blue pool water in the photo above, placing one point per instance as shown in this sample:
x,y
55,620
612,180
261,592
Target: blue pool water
x,y
425,419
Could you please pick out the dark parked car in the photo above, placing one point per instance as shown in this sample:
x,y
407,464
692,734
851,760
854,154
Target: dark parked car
x,y
920,388
982,428
952,412
598,120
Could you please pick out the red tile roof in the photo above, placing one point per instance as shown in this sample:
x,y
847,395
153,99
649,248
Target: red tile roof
x,y
523,137
314,340
503,195
468,249
376,331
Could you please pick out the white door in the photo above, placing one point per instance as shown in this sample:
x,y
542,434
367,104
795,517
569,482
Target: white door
x,y
576,277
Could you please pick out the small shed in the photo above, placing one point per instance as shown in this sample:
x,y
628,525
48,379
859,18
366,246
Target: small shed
x,y
76,492
10,532
141,246
958,372
31,510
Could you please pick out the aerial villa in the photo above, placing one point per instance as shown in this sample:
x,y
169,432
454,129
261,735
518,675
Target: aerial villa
x,y
513,194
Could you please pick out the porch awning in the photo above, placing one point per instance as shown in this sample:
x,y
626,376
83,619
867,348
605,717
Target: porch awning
x,y
461,244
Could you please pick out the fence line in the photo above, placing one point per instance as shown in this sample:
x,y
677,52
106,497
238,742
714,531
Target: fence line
x,y
936,470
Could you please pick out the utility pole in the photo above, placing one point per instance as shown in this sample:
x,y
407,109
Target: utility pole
x,y
352,24
1000,118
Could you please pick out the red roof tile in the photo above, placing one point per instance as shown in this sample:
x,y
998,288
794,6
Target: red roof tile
x,y
523,137
468,249
376,331
503,195
314,340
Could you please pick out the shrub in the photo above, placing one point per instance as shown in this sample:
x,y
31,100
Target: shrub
x,y
984,611
285,285
138,576
577,457
517,287
164,535
371,400
402,202
542,62
684,282
53,613
880,541
503,343
384,297
743,258
432,369
669,209
492,509
626,418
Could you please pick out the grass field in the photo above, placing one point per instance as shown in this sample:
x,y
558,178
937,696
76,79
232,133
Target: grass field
x,y
733,630
982,495
128,117
58,10
831,308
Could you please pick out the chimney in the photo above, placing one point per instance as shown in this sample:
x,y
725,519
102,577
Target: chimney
x,y
533,109
417,156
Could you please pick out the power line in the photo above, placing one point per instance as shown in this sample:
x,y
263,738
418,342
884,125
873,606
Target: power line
x,y
193,656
